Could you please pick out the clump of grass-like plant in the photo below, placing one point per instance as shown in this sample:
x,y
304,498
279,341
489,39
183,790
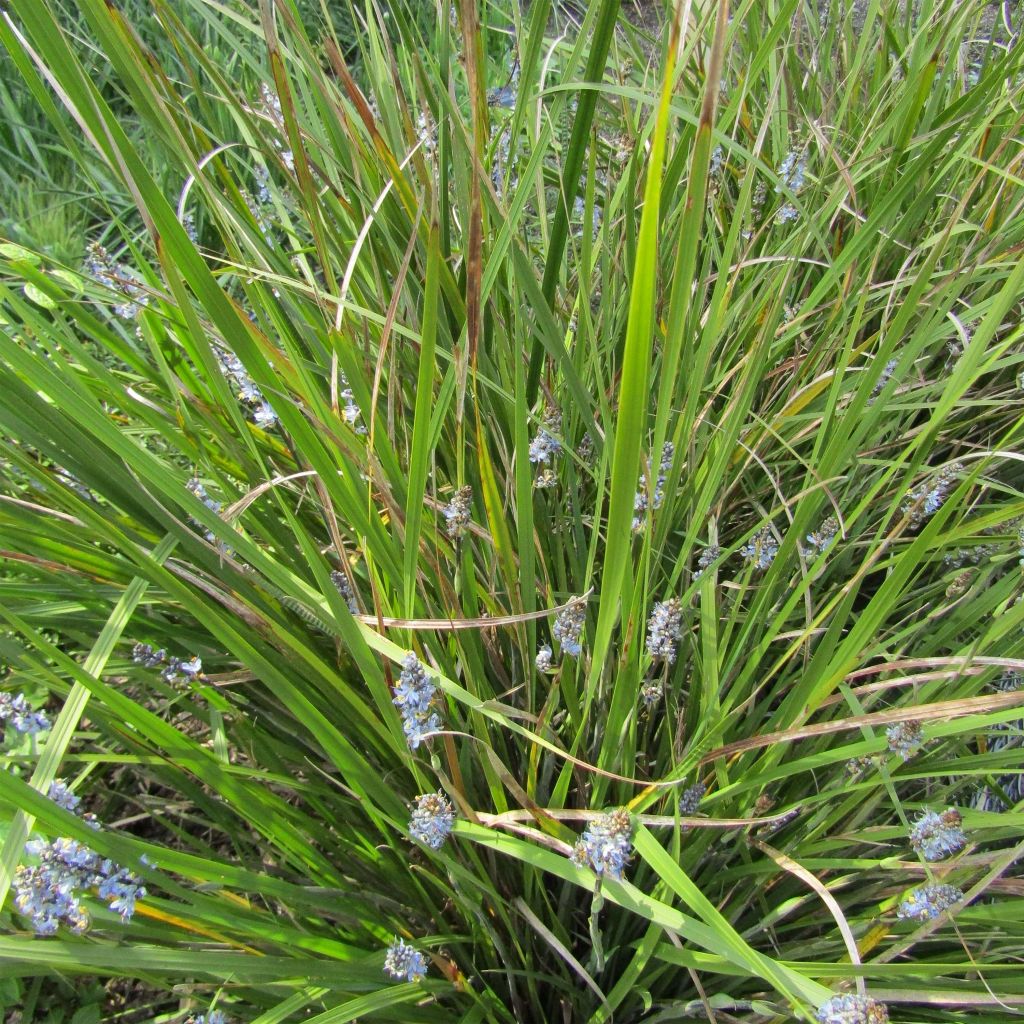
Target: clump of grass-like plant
x,y
520,522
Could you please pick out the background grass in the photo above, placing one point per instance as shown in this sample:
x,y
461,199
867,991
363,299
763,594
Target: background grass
x,y
456,224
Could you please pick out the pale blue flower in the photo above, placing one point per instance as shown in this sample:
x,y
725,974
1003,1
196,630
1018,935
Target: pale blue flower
x,y
850,1009
432,820
792,171
927,499
63,797
569,626
663,630
929,901
822,538
707,558
761,549
404,961
642,502
606,844
905,738
212,1017
458,511
49,894
17,710
547,444
413,696
936,836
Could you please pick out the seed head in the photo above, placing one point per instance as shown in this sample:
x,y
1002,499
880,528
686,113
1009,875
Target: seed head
x,y
118,278
344,587
1010,680
883,379
857,765
691,798
546,479
960,583
143,654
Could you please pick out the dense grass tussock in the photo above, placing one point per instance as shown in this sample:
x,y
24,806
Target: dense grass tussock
x,y
517,520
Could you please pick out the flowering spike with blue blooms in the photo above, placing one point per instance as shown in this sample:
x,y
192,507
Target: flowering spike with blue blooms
x,y
663,630
457,512
761,549
883,378
63,797
822,538
791,172
936,836
432,820
850,1009
143,654
351,413
905,738
641,503
651,692
49,894
213,1017
413,696
928,902
118,277
569,626
924,501
707,558
544,658
606,844
404,961
547,444
16,710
